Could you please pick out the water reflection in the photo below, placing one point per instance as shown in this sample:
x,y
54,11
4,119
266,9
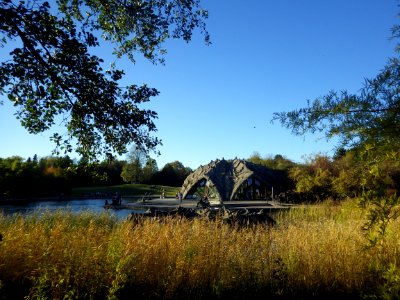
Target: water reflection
x,y
93,205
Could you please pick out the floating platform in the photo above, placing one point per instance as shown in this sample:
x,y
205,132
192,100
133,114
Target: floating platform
x,y
172,203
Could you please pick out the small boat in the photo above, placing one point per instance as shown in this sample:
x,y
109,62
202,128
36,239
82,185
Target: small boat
x,y
112,206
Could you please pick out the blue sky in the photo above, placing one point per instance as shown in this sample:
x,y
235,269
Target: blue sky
x,y
266,56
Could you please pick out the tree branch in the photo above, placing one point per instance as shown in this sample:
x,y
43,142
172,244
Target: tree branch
x,y
28,45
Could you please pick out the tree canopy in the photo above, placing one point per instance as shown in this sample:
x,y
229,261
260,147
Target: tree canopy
x,y
368,124
368,121
50,72
132,171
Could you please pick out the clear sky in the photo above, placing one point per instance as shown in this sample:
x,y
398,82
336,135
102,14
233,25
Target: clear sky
x,y
266,56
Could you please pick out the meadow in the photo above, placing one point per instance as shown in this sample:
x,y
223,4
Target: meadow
x,y
314,252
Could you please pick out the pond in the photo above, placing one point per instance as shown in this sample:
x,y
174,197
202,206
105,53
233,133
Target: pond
x,y
94,205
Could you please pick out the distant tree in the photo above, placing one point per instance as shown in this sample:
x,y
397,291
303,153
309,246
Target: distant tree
x,y
349,180
280,166
51,165
172,174
256,158
277,162
314,177
20,178
12,171
51,73
132,170
167,176
112,171
150,168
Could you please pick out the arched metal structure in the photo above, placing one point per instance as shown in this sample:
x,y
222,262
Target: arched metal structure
x,y
226,180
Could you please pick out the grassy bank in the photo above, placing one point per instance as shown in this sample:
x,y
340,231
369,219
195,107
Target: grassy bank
x,y
127,190
315,252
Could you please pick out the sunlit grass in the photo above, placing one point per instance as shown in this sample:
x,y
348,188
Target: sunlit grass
x,y
317,250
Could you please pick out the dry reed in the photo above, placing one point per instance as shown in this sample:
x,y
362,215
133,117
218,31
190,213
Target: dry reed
x,y
314,251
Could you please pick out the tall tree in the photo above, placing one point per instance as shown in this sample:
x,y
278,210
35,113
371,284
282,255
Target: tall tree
x,y
368,122
132,171
172,174
149,169
51,73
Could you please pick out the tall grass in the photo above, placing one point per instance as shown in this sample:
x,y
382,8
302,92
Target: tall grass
x,y
316,251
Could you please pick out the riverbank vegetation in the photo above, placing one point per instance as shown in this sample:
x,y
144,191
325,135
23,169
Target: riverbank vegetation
x,y
54,176
316,251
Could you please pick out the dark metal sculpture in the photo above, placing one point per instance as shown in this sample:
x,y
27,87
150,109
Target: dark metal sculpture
x,y
226,180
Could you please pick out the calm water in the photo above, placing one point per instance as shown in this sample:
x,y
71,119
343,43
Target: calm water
x,y
94,205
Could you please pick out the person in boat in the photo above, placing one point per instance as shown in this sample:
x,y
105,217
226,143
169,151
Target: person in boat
x,y
116,199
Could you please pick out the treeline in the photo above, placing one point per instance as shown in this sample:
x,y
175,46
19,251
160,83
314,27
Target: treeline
x,y
320,177
54,176
345,175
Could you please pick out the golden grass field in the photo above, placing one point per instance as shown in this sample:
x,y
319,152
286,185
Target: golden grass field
x,y
315,251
